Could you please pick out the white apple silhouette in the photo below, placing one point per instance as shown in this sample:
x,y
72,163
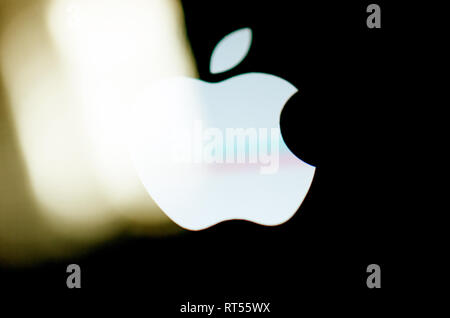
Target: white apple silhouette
x,y
194,192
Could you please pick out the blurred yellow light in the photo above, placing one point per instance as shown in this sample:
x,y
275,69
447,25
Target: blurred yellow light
x,y
71,69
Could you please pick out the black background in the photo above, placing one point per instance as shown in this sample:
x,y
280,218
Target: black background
x,y
345,120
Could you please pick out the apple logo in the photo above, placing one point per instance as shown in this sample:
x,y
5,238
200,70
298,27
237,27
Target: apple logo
x,y
210,152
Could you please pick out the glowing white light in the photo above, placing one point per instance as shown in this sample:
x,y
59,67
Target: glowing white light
x,y
71,82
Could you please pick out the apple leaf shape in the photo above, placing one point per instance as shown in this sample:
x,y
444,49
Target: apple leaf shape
x,y
231,50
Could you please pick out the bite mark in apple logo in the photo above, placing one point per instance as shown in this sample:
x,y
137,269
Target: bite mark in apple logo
x,y
197,194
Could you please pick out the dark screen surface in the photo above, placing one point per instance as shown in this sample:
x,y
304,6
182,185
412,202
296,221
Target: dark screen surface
x,y
345,120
